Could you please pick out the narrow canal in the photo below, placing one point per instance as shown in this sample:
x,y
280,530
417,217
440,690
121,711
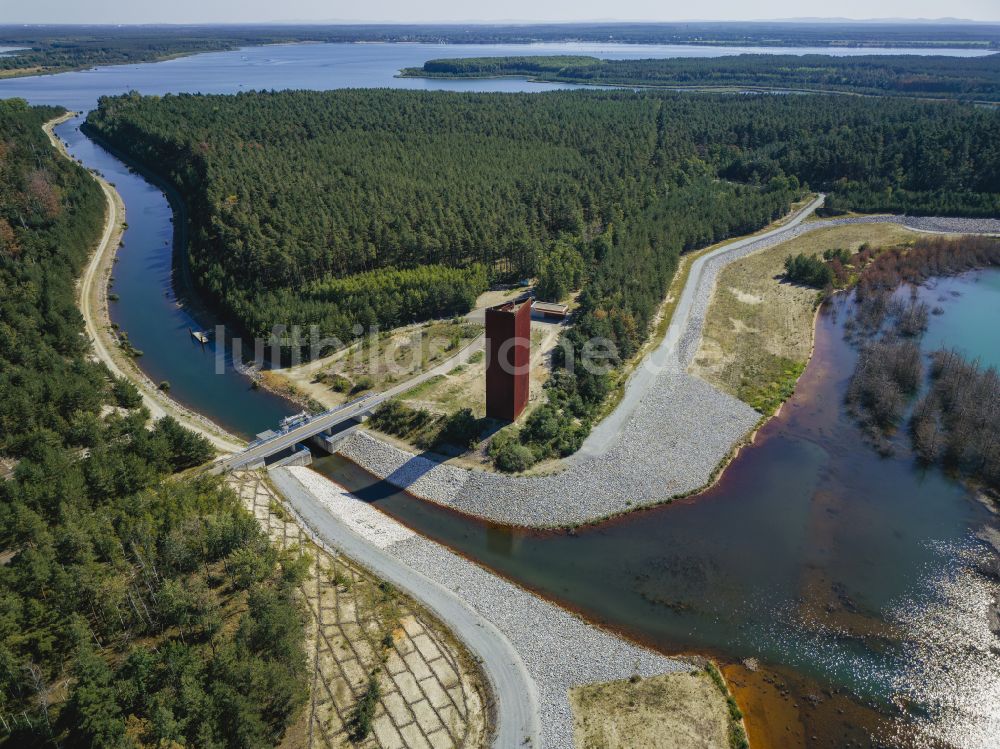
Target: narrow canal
x,y
856,581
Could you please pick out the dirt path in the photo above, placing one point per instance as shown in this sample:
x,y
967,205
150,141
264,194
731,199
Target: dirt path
x,y
93,303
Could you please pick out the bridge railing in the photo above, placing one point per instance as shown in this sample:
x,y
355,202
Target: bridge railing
x,y
310,419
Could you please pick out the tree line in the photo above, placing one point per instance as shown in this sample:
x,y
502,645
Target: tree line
x,y
379,299
292,192
925,76
137,607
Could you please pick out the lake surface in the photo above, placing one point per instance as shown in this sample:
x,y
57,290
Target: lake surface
x,y
329,66
968,326
811,554
148,308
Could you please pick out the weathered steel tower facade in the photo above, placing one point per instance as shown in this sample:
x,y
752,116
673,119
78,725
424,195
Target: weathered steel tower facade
x,y
508,362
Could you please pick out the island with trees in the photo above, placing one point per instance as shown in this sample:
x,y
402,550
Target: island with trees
x,y
921,76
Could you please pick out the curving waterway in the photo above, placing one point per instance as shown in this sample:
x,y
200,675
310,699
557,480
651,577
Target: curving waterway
x,y
861,574
857,582
148,309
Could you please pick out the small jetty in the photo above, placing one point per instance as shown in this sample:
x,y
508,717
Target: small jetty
x,y
199,335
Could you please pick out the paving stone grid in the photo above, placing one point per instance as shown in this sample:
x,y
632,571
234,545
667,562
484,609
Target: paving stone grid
x,y
430,697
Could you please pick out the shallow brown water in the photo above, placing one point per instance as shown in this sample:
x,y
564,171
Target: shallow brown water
x,y
854,580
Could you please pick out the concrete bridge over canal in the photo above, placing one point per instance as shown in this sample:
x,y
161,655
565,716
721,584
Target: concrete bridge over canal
x,y
328,427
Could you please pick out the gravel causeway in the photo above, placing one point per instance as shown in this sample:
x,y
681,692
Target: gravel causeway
x,y
675,429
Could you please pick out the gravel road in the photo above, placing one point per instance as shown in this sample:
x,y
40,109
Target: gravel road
x,y
667,437
532,651
700,283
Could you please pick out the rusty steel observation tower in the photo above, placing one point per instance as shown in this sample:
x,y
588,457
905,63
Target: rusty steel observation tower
x,y
508,359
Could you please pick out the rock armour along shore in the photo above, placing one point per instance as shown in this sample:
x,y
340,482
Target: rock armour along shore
x,y
558,649
672,443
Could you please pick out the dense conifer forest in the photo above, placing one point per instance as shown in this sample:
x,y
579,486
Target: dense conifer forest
x,y
293,194
137,607
924,76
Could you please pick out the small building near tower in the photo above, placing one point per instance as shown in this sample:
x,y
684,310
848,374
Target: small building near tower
x,y
508,359
550,311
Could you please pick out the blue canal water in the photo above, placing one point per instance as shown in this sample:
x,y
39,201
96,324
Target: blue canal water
x,y
148,309
812,553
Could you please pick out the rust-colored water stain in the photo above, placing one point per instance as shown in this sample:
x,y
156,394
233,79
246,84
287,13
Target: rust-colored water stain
x,y
784,709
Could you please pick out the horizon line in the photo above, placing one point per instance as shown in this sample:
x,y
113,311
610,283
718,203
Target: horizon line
x,y
814,20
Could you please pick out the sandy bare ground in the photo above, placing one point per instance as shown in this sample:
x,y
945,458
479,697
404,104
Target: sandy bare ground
x,y
758,331
377,360
391,357
682,710
93,303
465,385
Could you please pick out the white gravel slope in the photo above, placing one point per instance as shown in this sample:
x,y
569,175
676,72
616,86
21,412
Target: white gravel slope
x,y
523,636
673,435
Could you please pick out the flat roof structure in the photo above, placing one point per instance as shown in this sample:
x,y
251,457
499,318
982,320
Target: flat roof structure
x,y
550,310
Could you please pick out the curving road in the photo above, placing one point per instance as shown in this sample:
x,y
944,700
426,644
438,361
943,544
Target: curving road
x,y
604,434
667,438
517,722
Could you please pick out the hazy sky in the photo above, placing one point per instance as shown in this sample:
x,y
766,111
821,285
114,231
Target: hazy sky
x,y
242,11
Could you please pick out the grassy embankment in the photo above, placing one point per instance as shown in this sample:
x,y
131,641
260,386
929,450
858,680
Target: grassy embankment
x,y
758,331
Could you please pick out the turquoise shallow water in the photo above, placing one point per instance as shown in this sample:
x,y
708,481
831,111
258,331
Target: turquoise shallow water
x,y
971,319
811,553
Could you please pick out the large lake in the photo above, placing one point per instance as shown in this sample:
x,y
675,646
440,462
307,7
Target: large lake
x,y
856,573
326,66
